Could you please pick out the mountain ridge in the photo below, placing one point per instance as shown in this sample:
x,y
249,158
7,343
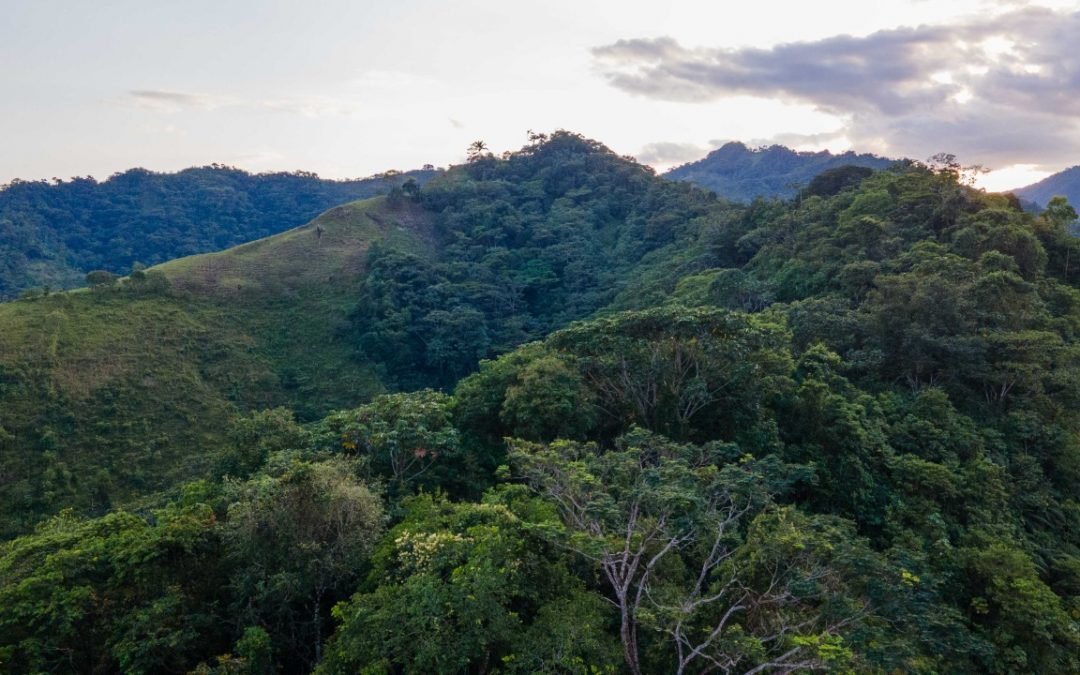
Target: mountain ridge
x,y
737,172
1065,183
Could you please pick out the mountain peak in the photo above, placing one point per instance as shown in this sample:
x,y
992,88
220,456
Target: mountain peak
x,y
1064,183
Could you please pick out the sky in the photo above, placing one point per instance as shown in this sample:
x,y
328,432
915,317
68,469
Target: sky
x,y
349,88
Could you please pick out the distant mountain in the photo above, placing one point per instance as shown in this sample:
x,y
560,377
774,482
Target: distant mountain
x,y
1064,183
52,234
736,172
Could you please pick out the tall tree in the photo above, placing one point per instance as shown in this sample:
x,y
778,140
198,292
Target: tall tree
x,y
666,525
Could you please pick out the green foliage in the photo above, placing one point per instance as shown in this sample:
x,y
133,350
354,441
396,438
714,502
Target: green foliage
x,y
112,594
463,588
100,278
253,656
108,398
297,535
687,373
254,437
1021,615
834,181
549,399
115,394
527,244
691,550
407,440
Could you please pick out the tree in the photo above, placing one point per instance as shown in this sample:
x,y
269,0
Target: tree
x,y
466,588
477,150
678,371
112,594
1055,231
834,181
549,400
298,536
1059,213
455,339
405,439
100,278
665,523
411,188
254,437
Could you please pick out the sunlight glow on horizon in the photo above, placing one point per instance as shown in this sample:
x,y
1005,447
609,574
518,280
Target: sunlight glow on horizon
x,y
1011,177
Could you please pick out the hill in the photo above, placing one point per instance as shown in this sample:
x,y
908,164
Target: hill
x,y
52,234
1064,184
739,173
114,392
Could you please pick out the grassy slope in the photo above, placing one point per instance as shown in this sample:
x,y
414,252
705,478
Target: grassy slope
x,y
326,253
293,291
101,378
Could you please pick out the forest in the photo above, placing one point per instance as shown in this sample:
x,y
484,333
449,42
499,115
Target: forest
x,y
567,416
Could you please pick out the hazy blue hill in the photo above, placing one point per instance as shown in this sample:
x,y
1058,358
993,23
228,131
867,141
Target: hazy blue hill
x,y
1064,183
52,234
739,173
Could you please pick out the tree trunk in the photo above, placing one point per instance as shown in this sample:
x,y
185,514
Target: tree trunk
x,y
628,633
318,626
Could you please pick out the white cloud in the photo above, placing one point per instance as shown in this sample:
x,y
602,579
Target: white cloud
x,y
1004,88
663,155
160,100
311,106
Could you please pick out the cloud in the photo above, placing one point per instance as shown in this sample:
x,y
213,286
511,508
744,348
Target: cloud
x,y
1001,89
311,106
798,141
665,154
170,101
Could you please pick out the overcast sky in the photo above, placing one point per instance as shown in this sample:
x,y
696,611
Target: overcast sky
x,y
350,87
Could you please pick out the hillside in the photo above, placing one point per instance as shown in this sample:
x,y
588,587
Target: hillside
x,y
404,291
627,427
52,234
1064,184
739,173
112,393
